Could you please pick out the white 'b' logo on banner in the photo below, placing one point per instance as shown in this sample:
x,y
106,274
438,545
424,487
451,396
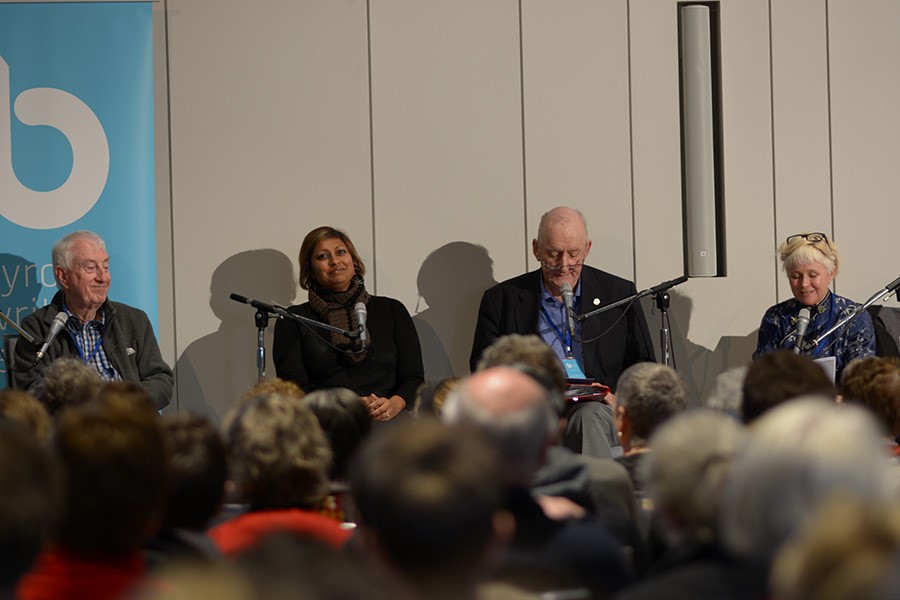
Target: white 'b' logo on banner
x,y
90,157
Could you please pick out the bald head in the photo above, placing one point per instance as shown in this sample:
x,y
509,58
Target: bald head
x,y
515,413
565,218
503,391
561,246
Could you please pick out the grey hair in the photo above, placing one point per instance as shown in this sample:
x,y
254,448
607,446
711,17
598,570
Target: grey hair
x,y
520,436
685,471
651,393
798,455
62,250
727,395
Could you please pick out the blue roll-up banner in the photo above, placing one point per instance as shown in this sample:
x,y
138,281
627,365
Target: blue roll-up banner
x,y
76,147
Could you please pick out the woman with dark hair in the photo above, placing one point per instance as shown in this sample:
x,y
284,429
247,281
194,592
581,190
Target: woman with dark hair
x,y
385,369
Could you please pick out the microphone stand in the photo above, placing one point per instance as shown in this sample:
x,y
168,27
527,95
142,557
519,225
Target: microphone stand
x,y
263,313
22,333
662,301
881,294
665,338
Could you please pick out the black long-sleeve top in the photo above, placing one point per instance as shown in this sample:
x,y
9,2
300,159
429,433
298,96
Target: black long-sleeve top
x,y
302,353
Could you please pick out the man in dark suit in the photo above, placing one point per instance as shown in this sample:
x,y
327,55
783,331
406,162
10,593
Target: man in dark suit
x,y
602,346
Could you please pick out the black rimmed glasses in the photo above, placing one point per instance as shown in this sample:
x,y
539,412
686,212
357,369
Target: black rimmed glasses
x,y
813,238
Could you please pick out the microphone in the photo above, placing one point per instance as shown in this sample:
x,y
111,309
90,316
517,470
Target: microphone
x,y
360,310
802,324
58,324
893,287
258,305
668,284
568,298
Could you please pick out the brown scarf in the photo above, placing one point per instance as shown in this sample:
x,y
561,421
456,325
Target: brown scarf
x,y
336,309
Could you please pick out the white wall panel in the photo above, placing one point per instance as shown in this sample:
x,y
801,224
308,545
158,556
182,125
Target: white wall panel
x,y
575,98
864,37
270,138
447,148
656,135
800,122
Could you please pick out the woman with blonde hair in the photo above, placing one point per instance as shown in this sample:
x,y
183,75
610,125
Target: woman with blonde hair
x,y
811,262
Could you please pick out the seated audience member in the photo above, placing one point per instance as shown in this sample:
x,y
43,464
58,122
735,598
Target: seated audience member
x,y
431,395
874,382
23,408
30,502
113,338
274,385
194,491
727,395
278,458
796,457
777,377
649,394
430,507
345,420
514,411
849,551
596,484
114,461
66,382
684,472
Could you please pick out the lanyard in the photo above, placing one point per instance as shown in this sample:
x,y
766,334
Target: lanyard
x,y
566,339
81,350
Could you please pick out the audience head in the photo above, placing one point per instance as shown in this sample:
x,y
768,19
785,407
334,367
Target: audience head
x,y
849,551
115,462
275,385
31,500
777,377
514,411
874,382
66,382
197,471
24,409
278,455
345,421
431,395
647,395
797,456
727,395
312,241
428,499
531,350
685,471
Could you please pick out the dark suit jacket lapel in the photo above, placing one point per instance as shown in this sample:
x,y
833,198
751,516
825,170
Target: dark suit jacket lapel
x,y
527,309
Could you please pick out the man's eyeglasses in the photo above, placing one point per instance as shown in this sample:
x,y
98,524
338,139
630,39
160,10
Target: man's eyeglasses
x,y
812,238
556,267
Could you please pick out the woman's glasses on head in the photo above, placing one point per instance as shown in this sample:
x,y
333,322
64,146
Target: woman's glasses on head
x,y
813,238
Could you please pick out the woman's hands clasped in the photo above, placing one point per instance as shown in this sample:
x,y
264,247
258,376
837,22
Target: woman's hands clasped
x,y
383,409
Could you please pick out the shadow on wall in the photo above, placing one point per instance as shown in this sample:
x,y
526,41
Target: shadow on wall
x,y
699,365
216,369
451,281
20,286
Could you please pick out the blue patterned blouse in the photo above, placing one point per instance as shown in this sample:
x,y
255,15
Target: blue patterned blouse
x,y
855,340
